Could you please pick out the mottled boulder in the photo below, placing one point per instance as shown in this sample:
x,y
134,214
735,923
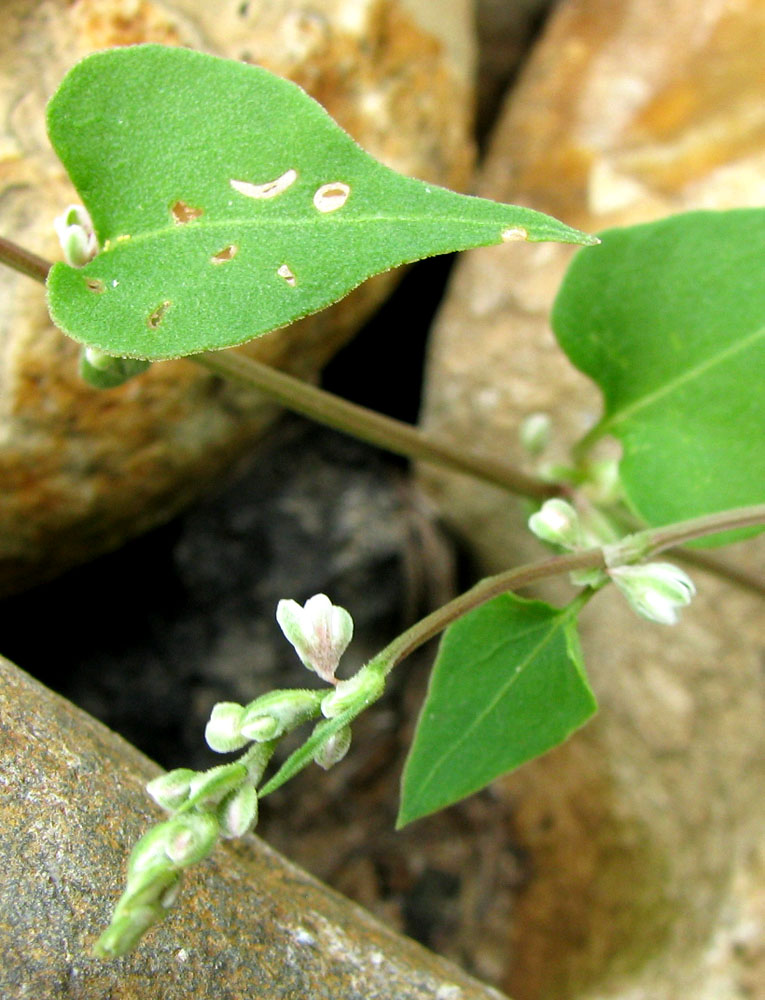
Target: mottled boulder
x,y
250,924
645,830
83,470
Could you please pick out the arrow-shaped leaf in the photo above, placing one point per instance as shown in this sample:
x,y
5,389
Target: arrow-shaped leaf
x,y
228,203
507,685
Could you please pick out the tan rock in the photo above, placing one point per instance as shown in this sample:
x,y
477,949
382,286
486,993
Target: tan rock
x,y
249,923
644,829
82,470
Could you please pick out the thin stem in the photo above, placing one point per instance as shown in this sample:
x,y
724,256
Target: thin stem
x,y
381,431
23,260
374,428
645,544
325,408
514,579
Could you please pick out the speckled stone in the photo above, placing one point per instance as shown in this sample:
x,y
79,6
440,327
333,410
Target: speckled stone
x,y
645,831
249,924
83,470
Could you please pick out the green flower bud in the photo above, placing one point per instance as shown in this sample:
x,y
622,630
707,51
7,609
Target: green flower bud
x,y
207,788
192,838
357,692
125,931
278,712
223,732
238,812
319,631
150,885
76,235
172,789
104,371
335,748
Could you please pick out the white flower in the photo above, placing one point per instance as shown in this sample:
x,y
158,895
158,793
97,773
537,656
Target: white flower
x,y
320,632
654,590
558,523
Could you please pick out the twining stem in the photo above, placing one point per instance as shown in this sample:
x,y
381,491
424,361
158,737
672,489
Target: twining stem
x,y
642,545
367,425
383,432
23,260
326,408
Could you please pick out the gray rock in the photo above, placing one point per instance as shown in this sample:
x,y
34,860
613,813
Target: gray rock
x,y
249,924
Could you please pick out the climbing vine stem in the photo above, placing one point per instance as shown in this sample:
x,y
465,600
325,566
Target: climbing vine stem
x,y
644,544
381,431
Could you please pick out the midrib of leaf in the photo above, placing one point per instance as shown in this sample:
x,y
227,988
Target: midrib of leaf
x,y
562,620
689,375
174,229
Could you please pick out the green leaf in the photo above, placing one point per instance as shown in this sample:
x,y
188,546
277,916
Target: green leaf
x,y
669,319
508,684
228,203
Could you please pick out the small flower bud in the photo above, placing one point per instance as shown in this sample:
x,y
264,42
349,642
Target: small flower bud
x,y
357,692
558,523
172,789
320,632
104,371
335,748
654,590
150,885
223,732
535,433
207,788
150,849
278,712
192,838
238,812
125,931
76,235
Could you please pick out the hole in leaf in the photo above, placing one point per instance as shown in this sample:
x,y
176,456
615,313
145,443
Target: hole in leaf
x,y
513,234
244,9
183,212
330,197
95,285
225,254
268,190
286,273
155,318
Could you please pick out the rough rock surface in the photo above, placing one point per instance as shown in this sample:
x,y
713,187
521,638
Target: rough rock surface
x,y
249,925
82,470
645,830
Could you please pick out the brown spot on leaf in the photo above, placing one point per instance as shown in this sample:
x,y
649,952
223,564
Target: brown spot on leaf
x,y
182,212
225,254
95,285
157,315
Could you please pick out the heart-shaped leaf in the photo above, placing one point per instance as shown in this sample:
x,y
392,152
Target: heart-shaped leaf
x,y
669,319
508,684
228,203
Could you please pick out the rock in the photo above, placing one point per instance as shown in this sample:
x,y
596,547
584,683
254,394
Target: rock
x,y
505,32
248,924
644,830
83,470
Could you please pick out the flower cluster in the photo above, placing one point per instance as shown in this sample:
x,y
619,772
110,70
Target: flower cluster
x,y
654,590
222,802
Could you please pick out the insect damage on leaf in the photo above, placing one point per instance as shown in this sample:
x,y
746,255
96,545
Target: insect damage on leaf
x,y
265,176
